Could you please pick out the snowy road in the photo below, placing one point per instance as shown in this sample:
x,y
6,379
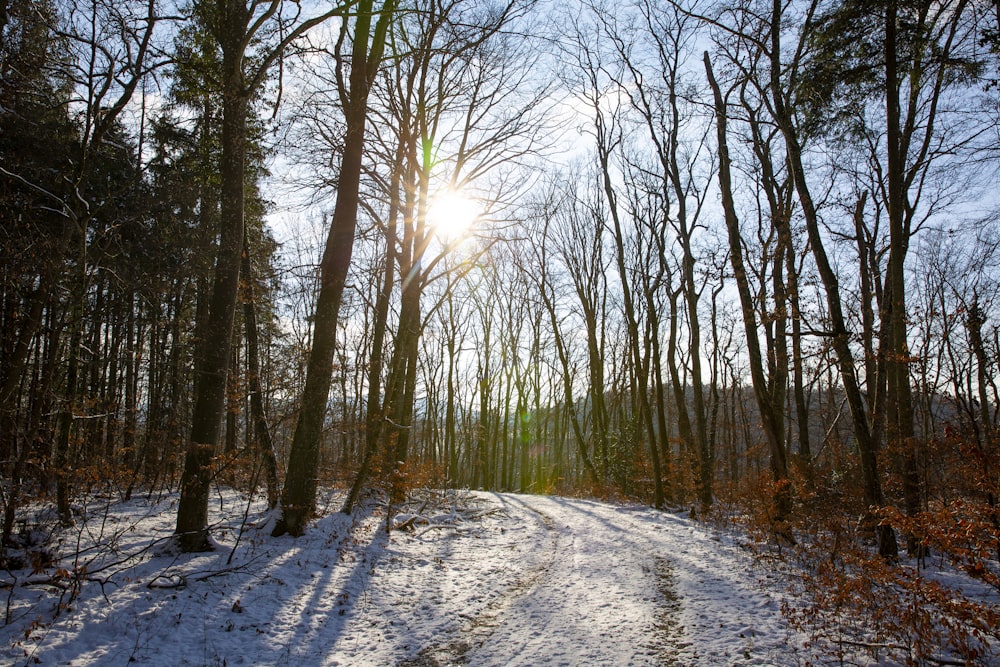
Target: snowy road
x,y
483,580
618,586
593,599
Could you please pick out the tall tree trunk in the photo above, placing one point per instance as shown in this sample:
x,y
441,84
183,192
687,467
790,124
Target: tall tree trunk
x,y
899,399
399,407
403,383
635,343
769,403
798,361
64,436
867,447
684,429
212,361
705,464
265,447
662,434
986,456
231,437
374,415
562,353
298,498
450,436
61,460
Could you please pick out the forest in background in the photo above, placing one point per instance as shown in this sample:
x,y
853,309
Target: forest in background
x,y
738,256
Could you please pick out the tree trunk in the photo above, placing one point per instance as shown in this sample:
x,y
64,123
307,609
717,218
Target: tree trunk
x,y
770,405
679,391
373,410
642,379
899,400
212,362
299,495
265,446
867,447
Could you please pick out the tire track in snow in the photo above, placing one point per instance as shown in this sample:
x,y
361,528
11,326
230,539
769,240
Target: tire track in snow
x,y
478,629
602,602
601,596
723,612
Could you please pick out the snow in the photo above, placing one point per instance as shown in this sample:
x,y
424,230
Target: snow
x,y
476,579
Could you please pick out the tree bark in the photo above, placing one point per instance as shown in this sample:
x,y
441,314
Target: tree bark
x,y
299,495
899,399
867,447
265,447
768,405
374,415
214,349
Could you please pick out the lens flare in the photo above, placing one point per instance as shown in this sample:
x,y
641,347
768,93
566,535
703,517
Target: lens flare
x,y
452,215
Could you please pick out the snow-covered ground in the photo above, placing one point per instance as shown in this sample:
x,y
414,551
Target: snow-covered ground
x,y
479,579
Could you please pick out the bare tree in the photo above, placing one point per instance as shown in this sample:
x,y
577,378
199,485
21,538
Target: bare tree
x,y
368,45
546,280
265,30
769,402
448,104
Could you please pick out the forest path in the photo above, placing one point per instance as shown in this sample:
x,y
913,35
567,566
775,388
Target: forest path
x,y
601,594
601,601
483,579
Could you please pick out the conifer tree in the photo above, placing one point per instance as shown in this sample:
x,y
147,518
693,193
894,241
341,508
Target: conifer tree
x,y
251,38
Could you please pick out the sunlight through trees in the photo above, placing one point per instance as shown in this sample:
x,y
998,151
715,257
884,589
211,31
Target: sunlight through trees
x,y
714,255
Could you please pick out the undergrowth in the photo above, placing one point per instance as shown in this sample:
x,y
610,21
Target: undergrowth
x,y
938,606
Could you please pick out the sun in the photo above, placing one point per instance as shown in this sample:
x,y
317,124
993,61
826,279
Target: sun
x,y
452,215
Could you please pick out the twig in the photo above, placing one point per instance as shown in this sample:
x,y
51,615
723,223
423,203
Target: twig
x,y
246,512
